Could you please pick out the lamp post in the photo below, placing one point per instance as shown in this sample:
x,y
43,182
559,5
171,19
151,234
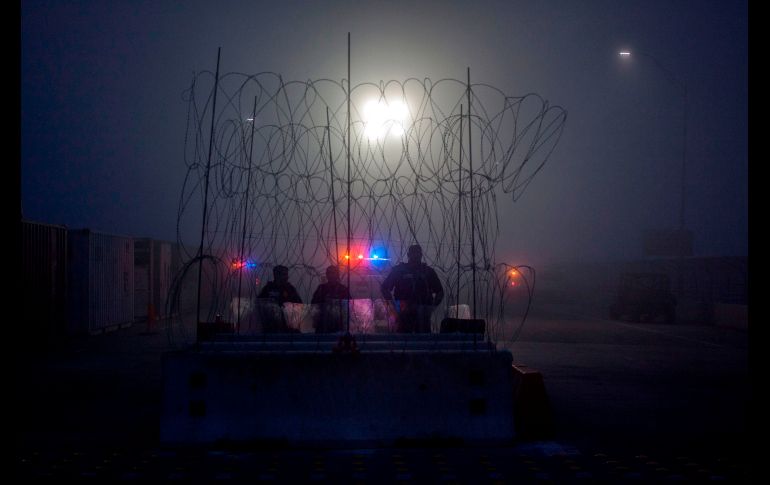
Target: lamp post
x,y
679,83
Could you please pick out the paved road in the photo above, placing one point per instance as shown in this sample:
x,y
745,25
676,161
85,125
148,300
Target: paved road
x,y
672,389
630,402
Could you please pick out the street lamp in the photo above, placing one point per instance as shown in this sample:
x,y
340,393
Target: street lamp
x,y
680,83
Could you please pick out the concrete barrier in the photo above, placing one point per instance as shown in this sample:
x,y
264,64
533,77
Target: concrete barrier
x,y
378,397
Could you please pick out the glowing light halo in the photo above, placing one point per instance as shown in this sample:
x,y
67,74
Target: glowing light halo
x,y
381,117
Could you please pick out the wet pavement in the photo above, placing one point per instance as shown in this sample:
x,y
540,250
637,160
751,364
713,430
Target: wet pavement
x,y
543,462
629,403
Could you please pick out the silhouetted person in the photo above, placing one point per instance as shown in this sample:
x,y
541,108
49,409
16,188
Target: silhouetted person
x,y
417,291
331,298
279,291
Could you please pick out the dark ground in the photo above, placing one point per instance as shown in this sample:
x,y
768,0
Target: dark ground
x,y
630,402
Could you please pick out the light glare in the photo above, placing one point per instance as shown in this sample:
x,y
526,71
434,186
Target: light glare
x,y
381,117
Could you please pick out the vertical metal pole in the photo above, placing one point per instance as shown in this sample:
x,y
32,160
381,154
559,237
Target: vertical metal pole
x,y
680,282
245,214
331,179
347,252
473,223
459,213
684,159
206,190
680,239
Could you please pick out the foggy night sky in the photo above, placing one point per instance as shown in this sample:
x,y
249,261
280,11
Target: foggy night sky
x,y
103,119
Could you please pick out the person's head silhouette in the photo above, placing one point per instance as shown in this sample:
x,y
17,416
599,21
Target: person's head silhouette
x,y
332,274
281,274
414,254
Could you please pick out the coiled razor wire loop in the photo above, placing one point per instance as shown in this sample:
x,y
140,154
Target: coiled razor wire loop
x,y
408,176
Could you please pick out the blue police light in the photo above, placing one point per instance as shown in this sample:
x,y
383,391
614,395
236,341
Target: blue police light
x,y
243,264
375,257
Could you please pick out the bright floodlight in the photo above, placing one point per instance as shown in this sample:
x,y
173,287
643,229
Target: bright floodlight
x,y
381,117
625,54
